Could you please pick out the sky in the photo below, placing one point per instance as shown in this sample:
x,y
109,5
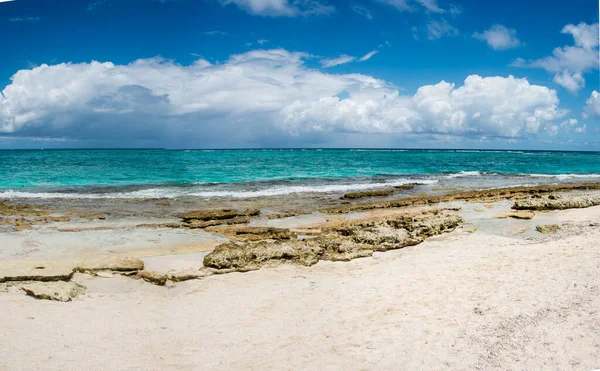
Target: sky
x,y
300,73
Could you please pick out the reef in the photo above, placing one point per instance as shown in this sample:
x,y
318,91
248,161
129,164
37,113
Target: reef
x,y
345,241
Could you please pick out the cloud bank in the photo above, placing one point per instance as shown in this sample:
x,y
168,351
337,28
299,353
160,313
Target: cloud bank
x,y
570,62
262,96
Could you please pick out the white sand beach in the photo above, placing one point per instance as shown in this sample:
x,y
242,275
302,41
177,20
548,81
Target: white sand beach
x,y
463,300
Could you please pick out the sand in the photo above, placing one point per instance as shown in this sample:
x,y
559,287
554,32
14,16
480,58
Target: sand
x,y
491,295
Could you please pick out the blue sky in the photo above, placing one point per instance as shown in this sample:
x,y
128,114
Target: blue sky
x,y
269,73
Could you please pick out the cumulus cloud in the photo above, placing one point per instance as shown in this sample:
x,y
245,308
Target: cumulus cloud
x,y
261,95
570,81
592,106
498,37
282,8
439,29
570,62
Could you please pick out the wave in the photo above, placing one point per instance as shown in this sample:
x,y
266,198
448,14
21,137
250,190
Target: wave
x,y
173,192
564,176
463,174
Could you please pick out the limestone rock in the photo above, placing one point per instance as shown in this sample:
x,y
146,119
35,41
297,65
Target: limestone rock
x,y
519,214
24,270
194,224
346,241
249,233
547,228
218,214
110,263
491,195
188,274
153,277
377,193
409,186
94,217
571,202
58,291
22,227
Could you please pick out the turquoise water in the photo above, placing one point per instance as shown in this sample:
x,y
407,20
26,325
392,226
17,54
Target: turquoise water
x,y
249,173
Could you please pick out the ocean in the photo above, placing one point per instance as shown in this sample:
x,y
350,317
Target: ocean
x,y
157,173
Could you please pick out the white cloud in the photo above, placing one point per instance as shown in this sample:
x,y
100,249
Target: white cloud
x,y
592,106
571,82
262,41
569,122
261,95
359,9
413,5
401,5
581,129
24,19
342,59
585,35
570,62
282,8
431,5
439,29
368,56
216,32
498,37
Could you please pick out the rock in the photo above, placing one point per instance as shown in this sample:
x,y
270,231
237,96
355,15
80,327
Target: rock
x,y
377,193
153,277
547,228
522,214
491,195
194,224
25,270
58,291
408,186
282,215
103,274
336,249
218,214
161,225
571,202
110,263
255,255
21,209
188,274
248,233
345,241
22,227
94,217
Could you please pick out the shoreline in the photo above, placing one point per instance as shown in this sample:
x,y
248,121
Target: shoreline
x,y
36,235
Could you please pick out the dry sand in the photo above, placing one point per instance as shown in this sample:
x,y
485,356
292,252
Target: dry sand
x,y
481,300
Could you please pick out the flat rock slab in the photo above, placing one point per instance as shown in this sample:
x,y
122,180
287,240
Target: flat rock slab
x,y
111,263
25,270
57,291
518,214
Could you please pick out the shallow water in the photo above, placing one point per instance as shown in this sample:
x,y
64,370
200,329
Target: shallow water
x,y
260,173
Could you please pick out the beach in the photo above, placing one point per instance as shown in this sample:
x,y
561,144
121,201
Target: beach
x,y
473,285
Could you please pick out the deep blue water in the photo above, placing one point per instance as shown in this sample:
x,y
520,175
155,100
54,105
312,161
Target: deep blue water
x,y
245,173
